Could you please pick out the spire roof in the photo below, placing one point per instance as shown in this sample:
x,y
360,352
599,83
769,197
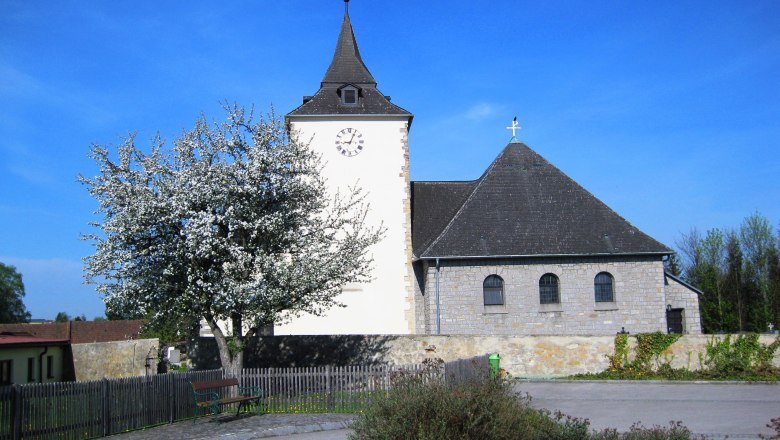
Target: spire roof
x,y
347,66
347,71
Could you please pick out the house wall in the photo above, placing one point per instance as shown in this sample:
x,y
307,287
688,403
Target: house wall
x,y
94,361
639,291
680,296
19,357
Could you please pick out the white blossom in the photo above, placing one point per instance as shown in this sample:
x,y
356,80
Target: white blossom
x,y
231,223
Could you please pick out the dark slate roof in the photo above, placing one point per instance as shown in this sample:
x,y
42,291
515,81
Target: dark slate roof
x,y
434,205
521,206
347,68
347,65
327,102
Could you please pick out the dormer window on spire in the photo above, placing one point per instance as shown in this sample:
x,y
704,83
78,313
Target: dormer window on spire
x,y
349,94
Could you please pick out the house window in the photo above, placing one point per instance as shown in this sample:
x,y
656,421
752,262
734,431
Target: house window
x,y
603,285
49,367
349,96
30,369
548,289
5,372
493,291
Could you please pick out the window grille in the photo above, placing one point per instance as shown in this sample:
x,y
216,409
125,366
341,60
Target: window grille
x,y
548,289
493,291
603,285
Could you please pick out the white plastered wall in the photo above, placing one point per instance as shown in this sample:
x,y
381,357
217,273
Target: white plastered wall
x,y
381,169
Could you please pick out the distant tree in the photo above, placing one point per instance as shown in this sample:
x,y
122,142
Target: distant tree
x,y
62,317
99,318
705,268
774,287
734,286
12,309
231,225
81,317
672,265
758,241
739,273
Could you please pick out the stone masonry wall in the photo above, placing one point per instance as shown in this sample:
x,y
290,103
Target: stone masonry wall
x,y
639,293
521,356
100,360
680,296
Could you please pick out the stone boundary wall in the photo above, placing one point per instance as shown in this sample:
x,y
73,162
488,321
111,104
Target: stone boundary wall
x,y
110,360
521,356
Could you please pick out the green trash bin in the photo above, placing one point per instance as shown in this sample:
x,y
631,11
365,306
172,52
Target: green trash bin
x,y
495,364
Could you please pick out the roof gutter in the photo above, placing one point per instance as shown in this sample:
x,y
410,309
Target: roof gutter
x,y
493,257
684,283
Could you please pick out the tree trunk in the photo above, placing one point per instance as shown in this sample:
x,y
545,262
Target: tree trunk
x,y
232,362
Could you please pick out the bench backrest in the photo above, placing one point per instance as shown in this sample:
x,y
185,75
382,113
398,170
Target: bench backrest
x,y
210,384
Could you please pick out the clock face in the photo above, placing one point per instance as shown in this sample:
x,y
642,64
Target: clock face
x,y
349,142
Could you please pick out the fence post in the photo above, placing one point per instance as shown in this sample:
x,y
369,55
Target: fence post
x,y
16,413
106,409
172,397
329,387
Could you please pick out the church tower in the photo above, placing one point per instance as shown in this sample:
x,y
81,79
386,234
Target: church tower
x,y
362,138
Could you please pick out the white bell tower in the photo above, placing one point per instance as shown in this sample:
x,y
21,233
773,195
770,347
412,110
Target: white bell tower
x,y
362,138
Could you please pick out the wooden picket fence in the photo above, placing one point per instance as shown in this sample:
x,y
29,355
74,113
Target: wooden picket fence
x,y
322,389
81,410
464,370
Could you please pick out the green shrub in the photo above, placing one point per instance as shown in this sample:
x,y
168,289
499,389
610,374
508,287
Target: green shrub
x,y
426,407
727,357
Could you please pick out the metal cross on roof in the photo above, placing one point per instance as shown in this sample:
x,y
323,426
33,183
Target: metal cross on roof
x,y
515,126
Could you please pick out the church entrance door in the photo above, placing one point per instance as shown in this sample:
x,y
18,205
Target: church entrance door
x,y
674,320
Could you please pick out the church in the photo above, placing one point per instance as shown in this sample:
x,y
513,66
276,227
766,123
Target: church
x,y
523,250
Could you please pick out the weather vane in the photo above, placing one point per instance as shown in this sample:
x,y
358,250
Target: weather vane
x,y
515,126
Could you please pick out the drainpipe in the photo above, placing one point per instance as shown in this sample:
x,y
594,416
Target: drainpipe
x,y
40,364
438,310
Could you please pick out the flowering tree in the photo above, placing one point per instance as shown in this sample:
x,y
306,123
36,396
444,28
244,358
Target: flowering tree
x,y
233,225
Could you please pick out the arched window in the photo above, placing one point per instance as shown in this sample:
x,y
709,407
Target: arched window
x,y
603,285
493,291
548,289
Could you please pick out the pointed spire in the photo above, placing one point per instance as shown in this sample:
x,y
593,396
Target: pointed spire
x,y
347,66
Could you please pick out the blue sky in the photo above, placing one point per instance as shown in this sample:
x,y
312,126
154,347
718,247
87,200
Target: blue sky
x,y
669,112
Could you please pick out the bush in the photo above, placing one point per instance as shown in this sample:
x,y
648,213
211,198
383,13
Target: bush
x,y
425,407
743,354
728,358
476,410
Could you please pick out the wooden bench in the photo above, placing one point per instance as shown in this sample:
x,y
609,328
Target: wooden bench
x,y
207,396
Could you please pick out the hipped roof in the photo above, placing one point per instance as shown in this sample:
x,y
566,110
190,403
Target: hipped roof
x,y
521,206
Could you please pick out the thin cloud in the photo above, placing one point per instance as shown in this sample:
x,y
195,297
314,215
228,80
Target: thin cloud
x,y
481,111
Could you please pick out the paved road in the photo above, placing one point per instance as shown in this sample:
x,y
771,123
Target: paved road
x,y
341,434
740,411
247,427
